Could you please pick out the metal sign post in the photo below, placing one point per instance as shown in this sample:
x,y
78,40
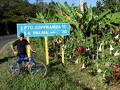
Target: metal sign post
x,y
46,50
62,50
28,48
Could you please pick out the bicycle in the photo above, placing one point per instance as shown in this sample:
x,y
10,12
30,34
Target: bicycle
x,y
30,66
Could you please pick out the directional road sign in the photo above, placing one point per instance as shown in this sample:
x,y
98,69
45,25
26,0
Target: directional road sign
x,y
43,29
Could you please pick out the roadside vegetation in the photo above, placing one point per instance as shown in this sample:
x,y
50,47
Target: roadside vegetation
x,y
70,76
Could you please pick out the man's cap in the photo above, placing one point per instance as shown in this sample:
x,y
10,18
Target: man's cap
x,y
22,35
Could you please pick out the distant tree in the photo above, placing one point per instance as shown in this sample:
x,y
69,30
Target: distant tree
x,y
52,8
113,5
13,11
98,9
105,5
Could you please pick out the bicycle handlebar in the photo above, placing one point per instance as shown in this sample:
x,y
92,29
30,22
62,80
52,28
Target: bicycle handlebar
x,y
26,58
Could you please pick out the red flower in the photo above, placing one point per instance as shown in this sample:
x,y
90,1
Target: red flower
x,y
116,66
116,71
118,43
80,50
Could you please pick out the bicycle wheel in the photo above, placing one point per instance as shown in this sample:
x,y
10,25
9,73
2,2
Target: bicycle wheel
x,y
15,68
39,67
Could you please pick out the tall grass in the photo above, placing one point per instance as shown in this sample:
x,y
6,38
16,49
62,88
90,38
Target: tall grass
x,y
59,77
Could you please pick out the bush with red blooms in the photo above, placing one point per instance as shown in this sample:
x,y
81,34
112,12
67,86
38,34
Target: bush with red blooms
x,y
116,72
118,43
80,50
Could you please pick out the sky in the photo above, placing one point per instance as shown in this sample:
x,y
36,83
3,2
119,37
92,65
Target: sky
x,y
76,2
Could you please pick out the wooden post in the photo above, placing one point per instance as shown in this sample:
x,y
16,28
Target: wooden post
x,y
62,50
46,50
28,48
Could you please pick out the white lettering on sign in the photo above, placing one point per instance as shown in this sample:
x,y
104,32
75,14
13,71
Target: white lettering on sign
x,y
64,31
48,27
29,33
21,28
25,33
28,27
40,32
52,32
63,26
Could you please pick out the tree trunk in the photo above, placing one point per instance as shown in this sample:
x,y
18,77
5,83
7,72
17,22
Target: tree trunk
x,y
6,28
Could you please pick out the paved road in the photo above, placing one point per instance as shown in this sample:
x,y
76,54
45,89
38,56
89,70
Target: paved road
x,y
5,39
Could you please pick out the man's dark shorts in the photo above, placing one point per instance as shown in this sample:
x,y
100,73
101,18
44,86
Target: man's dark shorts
x,y
21,58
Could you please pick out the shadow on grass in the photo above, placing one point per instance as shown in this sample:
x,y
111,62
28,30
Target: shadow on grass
x,y
54,67
58,70
55,63
5,59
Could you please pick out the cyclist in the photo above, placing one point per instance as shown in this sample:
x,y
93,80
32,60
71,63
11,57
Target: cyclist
x,y
21,44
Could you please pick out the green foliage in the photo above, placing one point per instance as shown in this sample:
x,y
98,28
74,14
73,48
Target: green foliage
x,y
114,18
15,10
113,5
58,77
104,5
83,29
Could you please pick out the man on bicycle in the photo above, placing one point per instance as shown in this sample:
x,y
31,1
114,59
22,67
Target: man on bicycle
x,y
21,44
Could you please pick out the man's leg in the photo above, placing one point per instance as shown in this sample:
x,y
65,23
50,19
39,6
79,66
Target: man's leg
x,y
20,64
20,61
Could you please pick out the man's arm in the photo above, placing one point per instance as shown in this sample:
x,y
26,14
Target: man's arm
x,y
31,48
13,49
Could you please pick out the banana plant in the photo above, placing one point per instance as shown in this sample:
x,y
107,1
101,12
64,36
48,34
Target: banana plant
x,y
85,27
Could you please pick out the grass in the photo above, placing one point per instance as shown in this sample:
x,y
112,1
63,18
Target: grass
x,y
59,77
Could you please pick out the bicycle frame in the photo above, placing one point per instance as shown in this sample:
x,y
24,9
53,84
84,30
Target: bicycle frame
x,y
26,58
30,66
